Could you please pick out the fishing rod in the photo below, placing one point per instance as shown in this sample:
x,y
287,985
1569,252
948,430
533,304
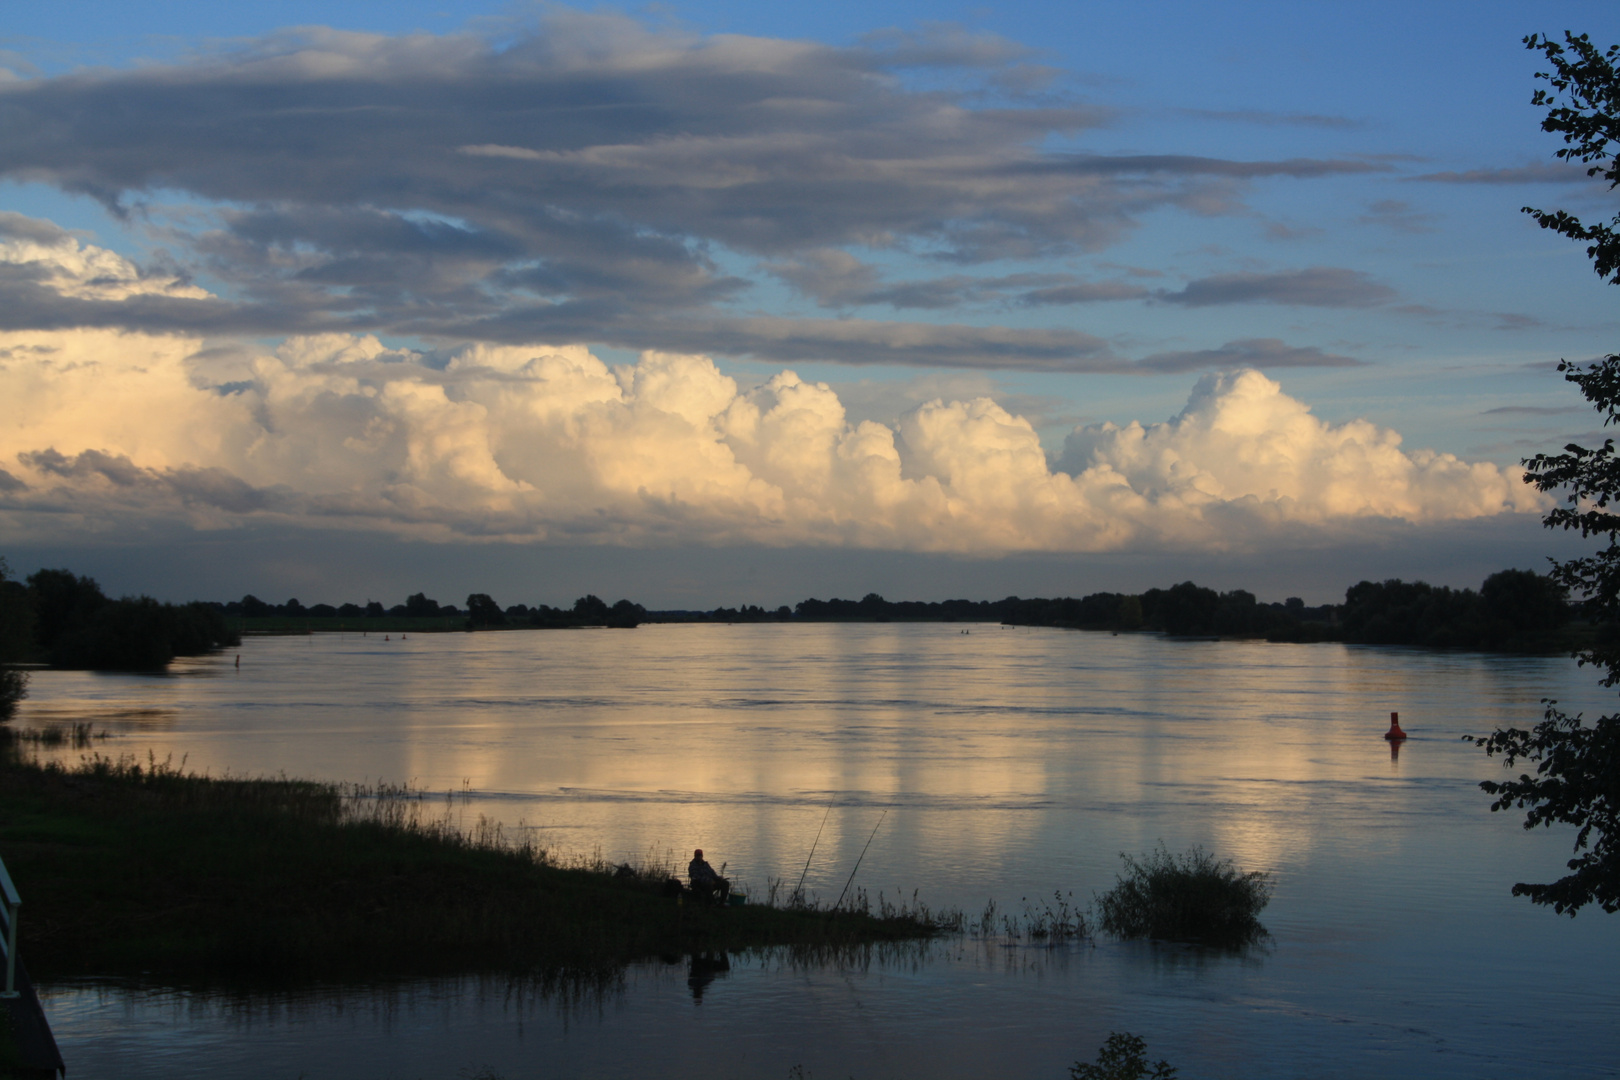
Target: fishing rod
x,y
851,880
798,890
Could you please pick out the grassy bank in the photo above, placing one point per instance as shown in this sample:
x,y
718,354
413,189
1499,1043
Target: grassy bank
x,y
130,869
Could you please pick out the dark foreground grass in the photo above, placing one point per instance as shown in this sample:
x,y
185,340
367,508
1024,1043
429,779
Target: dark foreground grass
x,y
143,870
1191,897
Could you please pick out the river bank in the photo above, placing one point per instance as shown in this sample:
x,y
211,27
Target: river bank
x,y
144,869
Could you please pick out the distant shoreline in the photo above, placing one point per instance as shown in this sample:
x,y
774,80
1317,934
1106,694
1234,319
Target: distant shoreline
x,y
1516,612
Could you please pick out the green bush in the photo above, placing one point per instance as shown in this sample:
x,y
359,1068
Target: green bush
x,y
1191,897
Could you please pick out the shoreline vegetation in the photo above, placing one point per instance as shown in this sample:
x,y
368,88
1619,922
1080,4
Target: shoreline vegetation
x,y
144,870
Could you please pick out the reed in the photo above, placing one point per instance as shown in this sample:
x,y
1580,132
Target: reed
x,y
79,736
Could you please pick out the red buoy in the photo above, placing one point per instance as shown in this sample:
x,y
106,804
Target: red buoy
x,y
1394,734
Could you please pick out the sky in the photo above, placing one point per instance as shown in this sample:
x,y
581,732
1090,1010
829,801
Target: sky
x,y
721,303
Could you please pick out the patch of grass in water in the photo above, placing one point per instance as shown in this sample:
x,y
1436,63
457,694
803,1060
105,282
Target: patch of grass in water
x,y
79,736
1191,897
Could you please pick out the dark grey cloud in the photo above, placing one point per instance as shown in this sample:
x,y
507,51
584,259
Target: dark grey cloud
x,y
28,304
1187,165
1509,320
869,341
595,178
1525,174
14,226
10,483
1249,352
209,487
1316,286
1082,292
1534,410
118,470
838,279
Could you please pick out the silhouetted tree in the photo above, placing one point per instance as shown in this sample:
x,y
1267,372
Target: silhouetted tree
x,y
590,608
63,603
1523,603
482,611
417,605
16,641
76,626
1577,779
1182,609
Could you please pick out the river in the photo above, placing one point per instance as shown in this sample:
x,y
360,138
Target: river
x,y
995,763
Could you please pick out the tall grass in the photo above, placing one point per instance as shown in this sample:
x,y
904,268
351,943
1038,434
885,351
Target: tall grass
x,y
135,866
1058,921
1190,897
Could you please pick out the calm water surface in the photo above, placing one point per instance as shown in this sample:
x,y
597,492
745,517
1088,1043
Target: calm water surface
x,y
1012,764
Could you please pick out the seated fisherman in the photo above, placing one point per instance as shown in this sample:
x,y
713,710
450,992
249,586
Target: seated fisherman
x,y
705,882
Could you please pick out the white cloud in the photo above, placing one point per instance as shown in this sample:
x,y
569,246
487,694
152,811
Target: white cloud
x,y
111,431
1241,440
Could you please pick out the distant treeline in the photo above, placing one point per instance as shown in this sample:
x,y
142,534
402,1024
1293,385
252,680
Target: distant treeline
x,y
66,621
481,612
1513,610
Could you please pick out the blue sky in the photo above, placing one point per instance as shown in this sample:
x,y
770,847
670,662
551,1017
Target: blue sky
x,y
1086,215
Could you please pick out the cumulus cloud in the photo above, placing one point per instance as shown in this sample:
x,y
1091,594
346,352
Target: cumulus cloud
x,y
1242,442
114,431
596,179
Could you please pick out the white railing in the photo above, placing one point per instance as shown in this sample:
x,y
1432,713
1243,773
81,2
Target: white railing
x,y
9,903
